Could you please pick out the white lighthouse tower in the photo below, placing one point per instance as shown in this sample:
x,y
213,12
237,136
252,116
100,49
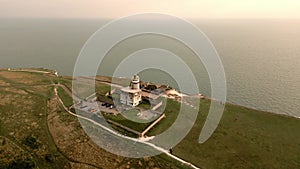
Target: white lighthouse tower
x,y
135,82
132,95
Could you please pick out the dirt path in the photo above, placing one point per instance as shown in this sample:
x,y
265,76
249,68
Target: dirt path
x,y
162,150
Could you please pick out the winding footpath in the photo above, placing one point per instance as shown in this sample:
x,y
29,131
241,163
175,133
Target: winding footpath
x,y
122,136
143,141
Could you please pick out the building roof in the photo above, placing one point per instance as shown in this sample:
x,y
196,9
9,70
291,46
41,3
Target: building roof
x,y
129,90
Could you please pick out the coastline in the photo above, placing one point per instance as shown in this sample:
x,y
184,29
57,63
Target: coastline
x,y
41,69
244,134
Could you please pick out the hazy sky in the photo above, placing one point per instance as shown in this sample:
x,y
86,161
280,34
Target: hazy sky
x,y
181,8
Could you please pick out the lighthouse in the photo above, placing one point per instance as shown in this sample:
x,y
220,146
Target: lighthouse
x,y
132,95
135,82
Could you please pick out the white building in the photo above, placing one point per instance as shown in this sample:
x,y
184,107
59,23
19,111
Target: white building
x,y
132,95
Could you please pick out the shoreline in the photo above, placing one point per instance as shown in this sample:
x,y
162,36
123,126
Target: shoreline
x,y
41,70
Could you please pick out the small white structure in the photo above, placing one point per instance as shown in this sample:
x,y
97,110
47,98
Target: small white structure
x,y
132,95
56,74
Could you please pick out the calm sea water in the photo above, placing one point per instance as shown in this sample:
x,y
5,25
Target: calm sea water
x,y
261,57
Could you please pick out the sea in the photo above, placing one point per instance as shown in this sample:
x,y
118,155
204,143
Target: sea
x,y
261,57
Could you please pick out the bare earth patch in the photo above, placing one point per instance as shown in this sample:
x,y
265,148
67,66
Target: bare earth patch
x,y
13,90
3,83
19,77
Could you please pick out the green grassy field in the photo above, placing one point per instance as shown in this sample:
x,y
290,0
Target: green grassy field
x,y
65,97
24,110
245,138
124,121
102,88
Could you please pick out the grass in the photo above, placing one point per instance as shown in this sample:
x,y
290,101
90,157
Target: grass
x,y
163,160
65,97
63,80
128,123
102,88
105,99
25,121
129,119
144,105
171,112
245,138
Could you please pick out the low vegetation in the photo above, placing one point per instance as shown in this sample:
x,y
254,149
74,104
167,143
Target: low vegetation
x,y
65,97
36,133
23,121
